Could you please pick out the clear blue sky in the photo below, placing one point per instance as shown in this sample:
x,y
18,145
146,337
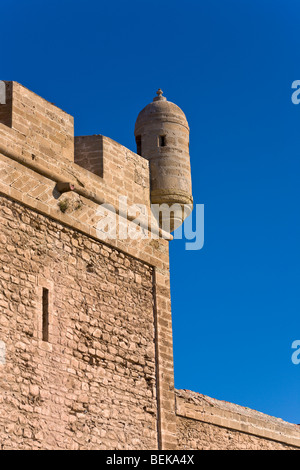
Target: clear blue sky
x,y
229,65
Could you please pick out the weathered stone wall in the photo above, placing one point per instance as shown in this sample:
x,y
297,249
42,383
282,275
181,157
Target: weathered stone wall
x,y
204,423
31,166
93,385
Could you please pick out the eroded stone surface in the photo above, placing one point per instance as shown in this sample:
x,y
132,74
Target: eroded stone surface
x,y
93,384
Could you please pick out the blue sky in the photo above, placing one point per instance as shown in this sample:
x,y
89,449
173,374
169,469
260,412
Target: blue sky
x,y
229,65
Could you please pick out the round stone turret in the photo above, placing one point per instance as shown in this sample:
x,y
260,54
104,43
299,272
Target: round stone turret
x,y
162,136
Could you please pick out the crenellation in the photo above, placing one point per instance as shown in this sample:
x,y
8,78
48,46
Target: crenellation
x,y
89,153
6,106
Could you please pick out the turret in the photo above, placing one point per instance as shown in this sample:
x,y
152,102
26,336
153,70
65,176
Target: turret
x,y
162,137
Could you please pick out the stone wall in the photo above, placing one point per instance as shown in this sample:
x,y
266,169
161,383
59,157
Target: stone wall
x,y
204,423
92,385
31,168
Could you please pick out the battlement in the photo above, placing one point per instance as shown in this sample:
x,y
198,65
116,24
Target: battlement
x,y
48,129
43,136
39,139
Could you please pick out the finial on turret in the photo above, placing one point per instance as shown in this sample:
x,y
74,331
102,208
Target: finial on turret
x,y
159,96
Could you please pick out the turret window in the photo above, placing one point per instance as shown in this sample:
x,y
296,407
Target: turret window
x,y
162,141
138,140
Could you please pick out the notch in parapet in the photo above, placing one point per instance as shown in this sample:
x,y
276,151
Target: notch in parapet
x,y
6,103
48,129
89,153
2,92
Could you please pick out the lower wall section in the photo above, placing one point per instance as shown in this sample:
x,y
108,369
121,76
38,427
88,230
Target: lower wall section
x,y
91,383
197,435
207,424
78,364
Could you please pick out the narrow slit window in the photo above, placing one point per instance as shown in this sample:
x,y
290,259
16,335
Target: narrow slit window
x,y
138,145
45,315
162,140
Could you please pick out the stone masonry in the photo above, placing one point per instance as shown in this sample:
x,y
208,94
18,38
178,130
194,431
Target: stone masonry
x,y
85,323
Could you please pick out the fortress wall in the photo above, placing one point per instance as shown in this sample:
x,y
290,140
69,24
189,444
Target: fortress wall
x,y
204,423
93,383
29,174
